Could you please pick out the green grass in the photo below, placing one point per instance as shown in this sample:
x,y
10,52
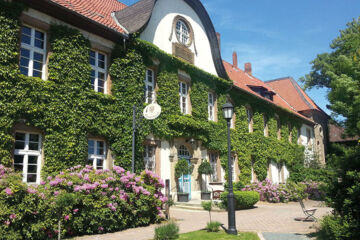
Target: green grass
x,y
202,234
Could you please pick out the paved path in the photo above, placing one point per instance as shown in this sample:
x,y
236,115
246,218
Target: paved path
x,y
269,219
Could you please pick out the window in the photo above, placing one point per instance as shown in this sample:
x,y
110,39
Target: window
x,y
182,32
183,92
233,167
32,52
213,164
249,119
266,129
211,108
149,157
278,126
27,156
98,72
96,154
149,86
308,135
183,152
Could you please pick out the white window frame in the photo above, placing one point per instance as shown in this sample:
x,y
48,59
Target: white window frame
x,y
32,49
213,163
149,157
183,95
266,128
182,32
249,115
94,156
149,95
26,152
98,70
211,106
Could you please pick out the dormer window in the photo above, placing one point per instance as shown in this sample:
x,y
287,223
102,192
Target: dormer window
x,y
182,32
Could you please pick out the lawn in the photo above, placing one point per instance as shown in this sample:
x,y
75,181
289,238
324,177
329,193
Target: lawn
x,y
202,234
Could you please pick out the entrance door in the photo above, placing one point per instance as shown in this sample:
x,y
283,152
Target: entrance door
x,y
185,181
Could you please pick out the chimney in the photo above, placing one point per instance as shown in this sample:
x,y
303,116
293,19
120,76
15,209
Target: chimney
x,y
235,62
247,68
219,40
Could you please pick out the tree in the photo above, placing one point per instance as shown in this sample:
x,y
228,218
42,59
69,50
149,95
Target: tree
x,y
205,168
340,72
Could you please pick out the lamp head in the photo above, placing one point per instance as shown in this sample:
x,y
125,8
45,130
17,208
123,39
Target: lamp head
x,y
228,110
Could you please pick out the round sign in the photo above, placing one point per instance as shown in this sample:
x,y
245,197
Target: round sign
x,y
152,111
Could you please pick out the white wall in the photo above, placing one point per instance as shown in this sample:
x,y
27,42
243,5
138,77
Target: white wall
x,y
274,172
165,172
159,29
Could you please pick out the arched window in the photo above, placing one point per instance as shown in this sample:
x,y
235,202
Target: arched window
x,y
183,152
182,32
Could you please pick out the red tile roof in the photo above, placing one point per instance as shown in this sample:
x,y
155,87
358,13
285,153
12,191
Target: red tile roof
x,y
336,134
293,94
96,10
244,80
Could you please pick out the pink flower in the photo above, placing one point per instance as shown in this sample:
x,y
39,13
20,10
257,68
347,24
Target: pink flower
x,y
31,190
75,210
8,191
42,182
7,222
56,193
113,196
100,228
104,185
70,183
49,178
67,217
12,216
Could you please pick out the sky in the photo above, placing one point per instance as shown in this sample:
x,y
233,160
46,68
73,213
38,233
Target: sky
x,y
280,37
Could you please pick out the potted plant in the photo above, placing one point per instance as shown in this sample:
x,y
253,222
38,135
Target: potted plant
x,y
182,168
205,168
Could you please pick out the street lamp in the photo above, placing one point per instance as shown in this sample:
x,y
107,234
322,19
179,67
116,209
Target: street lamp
x,y
228,111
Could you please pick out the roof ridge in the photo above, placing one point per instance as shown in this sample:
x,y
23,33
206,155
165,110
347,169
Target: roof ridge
x,y
278,79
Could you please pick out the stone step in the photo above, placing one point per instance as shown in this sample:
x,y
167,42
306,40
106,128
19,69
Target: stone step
x,y
195,206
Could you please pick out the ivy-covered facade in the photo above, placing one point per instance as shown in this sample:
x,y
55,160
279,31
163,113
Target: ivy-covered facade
x,y
78,110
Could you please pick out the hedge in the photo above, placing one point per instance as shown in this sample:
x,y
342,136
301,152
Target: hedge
x,y
243,199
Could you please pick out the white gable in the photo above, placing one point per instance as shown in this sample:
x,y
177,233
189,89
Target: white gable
x,y
159,31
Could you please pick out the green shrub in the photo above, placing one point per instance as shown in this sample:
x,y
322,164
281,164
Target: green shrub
x,y
335,227
243,199
296,191
167,231
213,226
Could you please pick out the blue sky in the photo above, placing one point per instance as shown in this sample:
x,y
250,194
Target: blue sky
x,y
279,37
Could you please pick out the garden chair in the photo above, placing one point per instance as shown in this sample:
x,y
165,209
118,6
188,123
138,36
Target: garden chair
x,y
309,213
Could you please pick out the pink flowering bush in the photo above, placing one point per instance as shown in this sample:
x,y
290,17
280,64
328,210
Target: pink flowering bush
x,y
276,193
102,201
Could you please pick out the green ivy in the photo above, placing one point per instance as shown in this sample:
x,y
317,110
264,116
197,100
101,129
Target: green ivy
x,y
68,111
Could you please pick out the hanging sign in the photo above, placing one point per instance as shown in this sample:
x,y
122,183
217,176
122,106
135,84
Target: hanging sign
x,y
152,111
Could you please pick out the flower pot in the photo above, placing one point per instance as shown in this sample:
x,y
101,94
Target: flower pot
x,y
183,197
205,195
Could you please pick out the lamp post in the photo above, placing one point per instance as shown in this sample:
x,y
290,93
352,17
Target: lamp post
x,y
228,111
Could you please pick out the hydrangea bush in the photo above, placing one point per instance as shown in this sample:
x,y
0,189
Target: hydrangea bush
x,y
103,201
290,191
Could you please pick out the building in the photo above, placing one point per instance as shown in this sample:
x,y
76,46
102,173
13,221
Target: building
x,y
73,69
